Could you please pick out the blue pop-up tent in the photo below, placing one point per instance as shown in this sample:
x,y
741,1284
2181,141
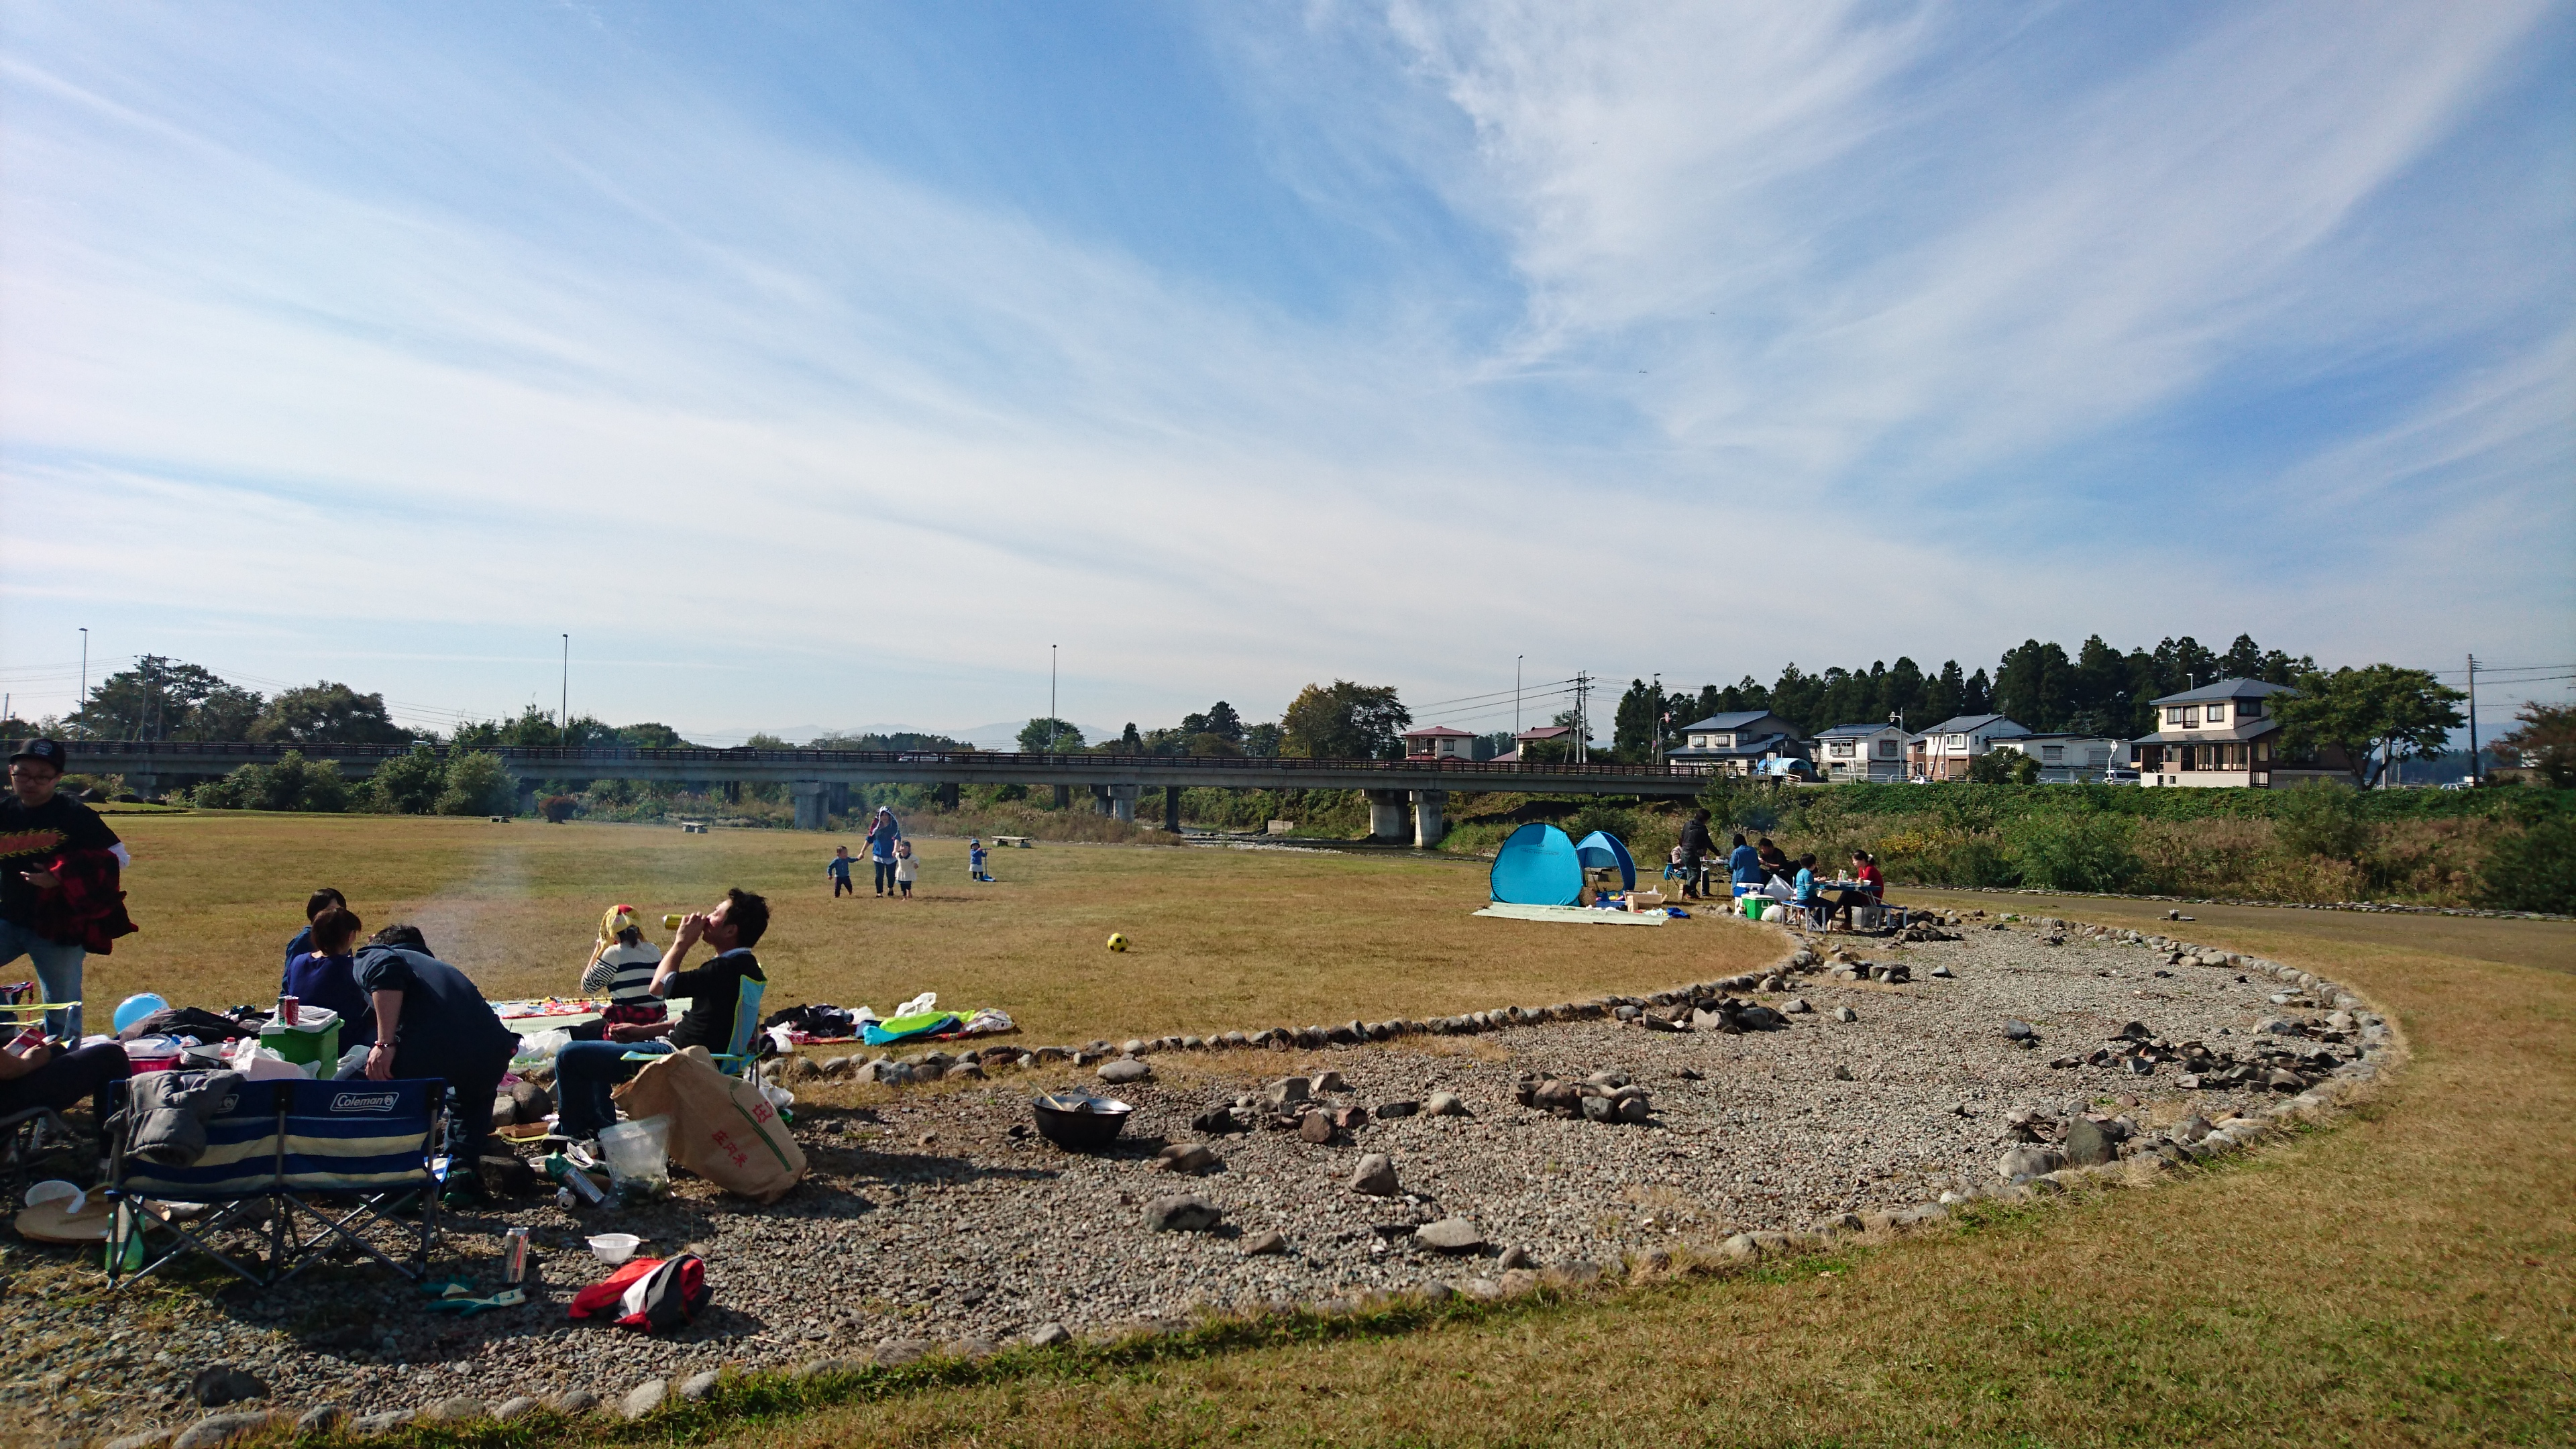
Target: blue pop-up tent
x,y
1601,850
1536,867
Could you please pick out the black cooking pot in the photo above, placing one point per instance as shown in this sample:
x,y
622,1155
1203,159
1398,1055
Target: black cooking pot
x,y
1079,1122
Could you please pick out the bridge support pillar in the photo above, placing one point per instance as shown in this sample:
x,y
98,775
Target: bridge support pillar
x,y
1428,827
1386,816
836,797
147,786
811,797
1120,801
947,795
1064,797
1172,808
527,797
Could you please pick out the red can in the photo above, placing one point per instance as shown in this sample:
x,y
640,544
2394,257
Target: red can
x,y
289,1009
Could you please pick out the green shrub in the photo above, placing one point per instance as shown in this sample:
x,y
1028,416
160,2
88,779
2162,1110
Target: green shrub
x,y
411,784
2533,871
2322,820
2075,852
477,784
292,783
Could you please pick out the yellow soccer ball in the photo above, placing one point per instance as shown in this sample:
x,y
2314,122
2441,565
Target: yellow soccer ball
x,y
1117,942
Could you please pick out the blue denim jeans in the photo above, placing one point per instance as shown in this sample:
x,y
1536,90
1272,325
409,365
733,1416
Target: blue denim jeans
x,y
58,970
584,1071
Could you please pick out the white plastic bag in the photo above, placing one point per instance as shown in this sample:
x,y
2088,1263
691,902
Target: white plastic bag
x,y
542,1046
257,1063
926,1001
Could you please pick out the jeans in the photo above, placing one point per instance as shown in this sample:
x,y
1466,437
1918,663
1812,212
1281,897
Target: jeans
x,y
58,970
885,876
584,1071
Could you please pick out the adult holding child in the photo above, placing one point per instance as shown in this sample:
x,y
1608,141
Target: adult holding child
x,y
882,834
586,1071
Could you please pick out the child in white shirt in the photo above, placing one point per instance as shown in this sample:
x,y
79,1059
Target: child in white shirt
x,y
907,868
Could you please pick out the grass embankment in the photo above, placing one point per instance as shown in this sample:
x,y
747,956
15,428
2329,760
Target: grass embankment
x,y
1221,939
2408,1277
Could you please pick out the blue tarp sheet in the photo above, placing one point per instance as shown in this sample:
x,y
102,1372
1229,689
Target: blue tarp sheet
x,y
1601,850
1536,867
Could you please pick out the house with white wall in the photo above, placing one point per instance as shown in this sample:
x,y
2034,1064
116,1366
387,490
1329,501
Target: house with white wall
x,y
2226,734
1439,742
1736,743
1860,752
2066,759
1943,751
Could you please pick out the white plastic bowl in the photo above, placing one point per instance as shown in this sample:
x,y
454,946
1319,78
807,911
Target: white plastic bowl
x,y
54,1189
614,1248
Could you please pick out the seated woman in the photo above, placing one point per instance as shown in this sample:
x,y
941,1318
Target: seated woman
x,y
35,1073
621,967
326,976
1872,890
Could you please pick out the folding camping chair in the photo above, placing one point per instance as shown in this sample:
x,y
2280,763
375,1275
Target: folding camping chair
x,y
741,1056
272,1152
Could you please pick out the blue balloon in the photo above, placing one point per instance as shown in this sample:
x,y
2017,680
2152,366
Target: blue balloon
x,y
136,1007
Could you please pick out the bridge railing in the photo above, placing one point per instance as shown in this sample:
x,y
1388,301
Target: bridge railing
x,y
572,757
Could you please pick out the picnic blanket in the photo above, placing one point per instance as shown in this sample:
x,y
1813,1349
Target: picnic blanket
x,y
1509,912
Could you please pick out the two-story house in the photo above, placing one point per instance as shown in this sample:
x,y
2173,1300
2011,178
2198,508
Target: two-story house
x,y
1736,743
1943,751
1439,742
1860,752
2066,759
2225,734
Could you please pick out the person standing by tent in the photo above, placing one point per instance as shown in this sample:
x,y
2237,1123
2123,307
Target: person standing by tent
x,y
882,834
1695,846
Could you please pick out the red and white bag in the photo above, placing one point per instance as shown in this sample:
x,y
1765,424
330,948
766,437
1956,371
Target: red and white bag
x,y
649,1294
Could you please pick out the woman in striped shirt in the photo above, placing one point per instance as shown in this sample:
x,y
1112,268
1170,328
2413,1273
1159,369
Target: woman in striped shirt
x,y
621,965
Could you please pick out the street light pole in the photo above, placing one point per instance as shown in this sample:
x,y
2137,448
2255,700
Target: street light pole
x,y
563,705
84,694
1051,717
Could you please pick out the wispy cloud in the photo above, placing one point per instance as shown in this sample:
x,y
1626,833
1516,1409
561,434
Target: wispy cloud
x,y
387,339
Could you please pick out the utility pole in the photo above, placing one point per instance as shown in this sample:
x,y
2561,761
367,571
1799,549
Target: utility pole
x,y
1051,721
1582,718
1663,717
83,701
1516,701
563,705
2474,775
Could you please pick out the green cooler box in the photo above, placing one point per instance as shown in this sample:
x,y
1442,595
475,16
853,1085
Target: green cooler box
x,y
313,1043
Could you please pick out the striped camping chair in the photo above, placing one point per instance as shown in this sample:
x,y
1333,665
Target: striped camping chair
x,y
293,1170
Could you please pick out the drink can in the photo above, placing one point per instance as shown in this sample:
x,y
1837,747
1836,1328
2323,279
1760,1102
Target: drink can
x,y
672,922
514,1255
289,1009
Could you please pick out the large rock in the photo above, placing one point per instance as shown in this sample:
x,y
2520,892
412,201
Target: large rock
x,y
896,1352
697,1386
1315,1127
1286,1090
1376,1176
1264,1243
224,1384
1124,1070
1443,1104
217,1429
2087,1145
1450,1235
1188,1157
644,1398
573,1401
1181,1213
461,1409
2024,1162
2018,1030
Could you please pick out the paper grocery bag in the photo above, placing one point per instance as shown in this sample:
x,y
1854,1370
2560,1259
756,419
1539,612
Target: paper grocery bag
x,y
721,1127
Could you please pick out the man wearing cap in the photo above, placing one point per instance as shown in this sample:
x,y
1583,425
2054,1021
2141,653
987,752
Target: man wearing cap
x,y
45,837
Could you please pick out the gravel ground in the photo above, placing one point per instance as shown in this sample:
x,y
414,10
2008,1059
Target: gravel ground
x,y
936,1215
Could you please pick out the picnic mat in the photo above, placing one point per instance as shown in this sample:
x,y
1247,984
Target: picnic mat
x,y
1590,914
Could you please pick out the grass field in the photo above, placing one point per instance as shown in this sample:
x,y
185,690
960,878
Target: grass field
x,y
1221,938
2407,1277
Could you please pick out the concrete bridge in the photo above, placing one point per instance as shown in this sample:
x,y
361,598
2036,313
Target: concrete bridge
x,y
819,780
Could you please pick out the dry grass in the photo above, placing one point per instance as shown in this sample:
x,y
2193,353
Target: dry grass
x,y
1222,939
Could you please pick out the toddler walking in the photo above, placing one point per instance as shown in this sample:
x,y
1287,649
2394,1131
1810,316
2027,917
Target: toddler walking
x,y
975,860
907,869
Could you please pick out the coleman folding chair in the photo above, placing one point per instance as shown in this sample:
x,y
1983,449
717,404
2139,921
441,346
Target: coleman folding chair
x,y
741,1056
274,1153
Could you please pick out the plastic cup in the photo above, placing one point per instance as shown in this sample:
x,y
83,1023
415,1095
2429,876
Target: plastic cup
x,y
614,1248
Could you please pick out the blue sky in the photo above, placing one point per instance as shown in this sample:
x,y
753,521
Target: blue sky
x,y
816,366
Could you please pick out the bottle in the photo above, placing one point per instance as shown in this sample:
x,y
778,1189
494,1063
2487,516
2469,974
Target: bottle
x,y
560,1168
672,921
514,1256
